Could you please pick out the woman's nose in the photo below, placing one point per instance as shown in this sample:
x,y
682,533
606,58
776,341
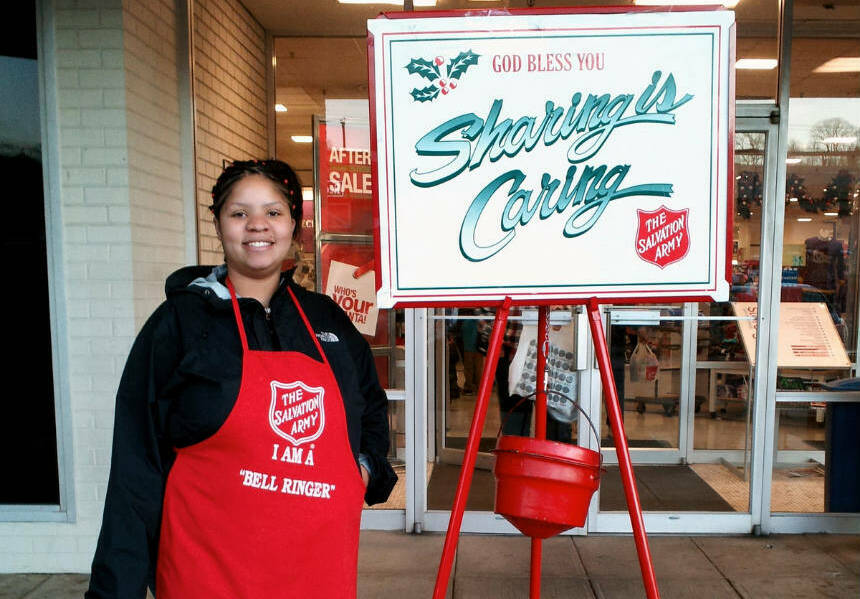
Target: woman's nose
x,y
257,222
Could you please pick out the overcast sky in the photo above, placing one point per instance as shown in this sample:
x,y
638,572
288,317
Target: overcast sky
x,y
803,113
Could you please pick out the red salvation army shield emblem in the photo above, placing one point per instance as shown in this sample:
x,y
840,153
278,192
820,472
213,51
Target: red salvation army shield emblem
x,y
663,236
296,412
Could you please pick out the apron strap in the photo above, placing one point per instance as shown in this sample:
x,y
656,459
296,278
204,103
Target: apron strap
x,y
240,325
308,325
237,314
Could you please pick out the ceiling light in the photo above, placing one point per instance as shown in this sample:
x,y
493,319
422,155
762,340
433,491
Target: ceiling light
x,y
793,160
840,140
308,194
280,108
843,64
392,2
302,139
758,64
792,199
804,219
831,214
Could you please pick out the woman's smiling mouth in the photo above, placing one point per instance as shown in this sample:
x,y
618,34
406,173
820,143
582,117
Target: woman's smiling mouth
x,y
259,244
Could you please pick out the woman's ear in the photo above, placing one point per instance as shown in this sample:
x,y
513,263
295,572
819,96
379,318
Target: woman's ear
x,y
217,227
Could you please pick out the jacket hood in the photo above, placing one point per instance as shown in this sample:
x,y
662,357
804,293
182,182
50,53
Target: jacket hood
x,y
199,278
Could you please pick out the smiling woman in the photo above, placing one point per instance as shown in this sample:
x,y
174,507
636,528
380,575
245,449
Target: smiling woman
x,y
255,217
261,401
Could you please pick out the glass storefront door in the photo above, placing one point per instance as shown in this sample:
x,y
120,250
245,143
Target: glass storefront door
x,y
813,480
690,420
687,381
460,338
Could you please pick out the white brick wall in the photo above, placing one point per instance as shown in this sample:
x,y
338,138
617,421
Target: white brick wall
x,y
230,98
92,124
122,232
123,226
155,209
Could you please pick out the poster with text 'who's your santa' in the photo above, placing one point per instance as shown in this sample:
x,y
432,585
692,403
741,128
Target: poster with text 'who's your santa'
x,y
552,155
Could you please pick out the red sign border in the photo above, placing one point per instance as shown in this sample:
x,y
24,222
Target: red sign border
x,y
538,299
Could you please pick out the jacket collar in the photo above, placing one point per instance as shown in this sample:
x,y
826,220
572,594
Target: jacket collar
x,y
209,281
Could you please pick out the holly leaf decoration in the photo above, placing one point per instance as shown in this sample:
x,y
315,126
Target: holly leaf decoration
x,y
425,95
463,61
425,68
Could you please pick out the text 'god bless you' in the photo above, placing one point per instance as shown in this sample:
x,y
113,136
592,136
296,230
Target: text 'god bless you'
x,y
592,119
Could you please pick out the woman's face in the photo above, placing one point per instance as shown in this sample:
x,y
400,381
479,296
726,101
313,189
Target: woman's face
x,y
255,228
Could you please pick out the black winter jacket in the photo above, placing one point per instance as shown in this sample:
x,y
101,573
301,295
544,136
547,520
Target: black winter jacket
x,y
180,383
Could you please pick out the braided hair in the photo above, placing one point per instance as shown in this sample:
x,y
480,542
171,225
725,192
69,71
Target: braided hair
x,y
278,172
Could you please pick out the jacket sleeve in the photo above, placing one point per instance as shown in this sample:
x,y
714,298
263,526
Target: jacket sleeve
x,y
124,562
374,420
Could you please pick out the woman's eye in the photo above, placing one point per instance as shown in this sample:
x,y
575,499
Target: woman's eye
x,y
274,213
237,214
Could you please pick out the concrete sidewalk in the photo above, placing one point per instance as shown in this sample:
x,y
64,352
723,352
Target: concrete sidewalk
x,y
494,567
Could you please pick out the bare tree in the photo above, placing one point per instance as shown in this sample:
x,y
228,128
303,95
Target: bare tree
x,y
749,149
835,138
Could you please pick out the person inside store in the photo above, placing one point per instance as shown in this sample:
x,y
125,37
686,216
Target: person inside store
x,y
520,369
250,423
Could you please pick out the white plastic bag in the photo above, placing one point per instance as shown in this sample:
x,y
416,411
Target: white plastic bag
x,y
560,369
643,364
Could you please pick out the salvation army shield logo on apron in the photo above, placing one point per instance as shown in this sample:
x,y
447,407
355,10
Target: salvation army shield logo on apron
x,y
296,411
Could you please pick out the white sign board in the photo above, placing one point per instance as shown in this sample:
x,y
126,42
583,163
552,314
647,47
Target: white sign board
x,y
552,156
807,337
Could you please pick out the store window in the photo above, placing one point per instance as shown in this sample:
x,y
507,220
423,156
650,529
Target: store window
x,y
817,456
685,375
756,66
28,438
322,130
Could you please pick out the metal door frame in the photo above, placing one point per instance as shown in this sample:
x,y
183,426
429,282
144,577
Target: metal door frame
x,y
750,117
753,117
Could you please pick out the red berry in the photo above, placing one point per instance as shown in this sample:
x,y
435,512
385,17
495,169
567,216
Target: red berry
x,y
444,91
453,84
443,83
439,60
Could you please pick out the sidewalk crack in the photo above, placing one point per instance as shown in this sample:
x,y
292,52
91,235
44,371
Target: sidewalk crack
x,y
584,568
717,567
29,594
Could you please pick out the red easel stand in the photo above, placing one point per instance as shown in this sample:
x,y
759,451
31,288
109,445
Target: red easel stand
x,y
465,481
610,396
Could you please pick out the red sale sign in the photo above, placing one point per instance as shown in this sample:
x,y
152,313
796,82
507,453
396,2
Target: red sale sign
x,y
663,236
346,188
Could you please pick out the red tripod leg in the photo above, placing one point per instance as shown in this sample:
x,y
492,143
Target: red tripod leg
x,y
466,471
540,433
610,397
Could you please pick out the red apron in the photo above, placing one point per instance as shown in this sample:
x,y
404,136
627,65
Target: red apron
x,y
270,505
